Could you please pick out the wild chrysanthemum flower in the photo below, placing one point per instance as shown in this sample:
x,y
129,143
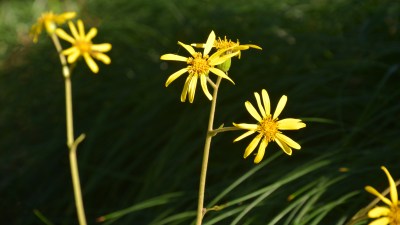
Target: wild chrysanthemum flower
x,y
199,66
268,127
82,46
386,215
49,20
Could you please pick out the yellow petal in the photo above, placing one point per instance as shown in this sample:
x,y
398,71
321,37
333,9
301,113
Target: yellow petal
x,y
216,59
63,35
68,15
185,88
280,106
188,48
73,57
266,101
73,30
246,126
260,107
248,133
197,45
209,44
174,76
378,212
380,221
81,29
70,50
102,57
284,146
253,144
192,88
203,82
261,151
91,63
220,73
288,141
105,47
393,188
253,112
290,124
379,195
91,34
173,57
253,46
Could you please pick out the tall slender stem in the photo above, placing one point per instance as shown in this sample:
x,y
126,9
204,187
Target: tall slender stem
x,y
71,142
200,210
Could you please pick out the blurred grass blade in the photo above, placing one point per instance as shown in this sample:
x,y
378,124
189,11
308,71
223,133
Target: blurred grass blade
x,y
42,217
159,200
243,178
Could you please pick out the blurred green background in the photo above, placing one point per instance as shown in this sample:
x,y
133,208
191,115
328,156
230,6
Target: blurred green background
x,y
336,60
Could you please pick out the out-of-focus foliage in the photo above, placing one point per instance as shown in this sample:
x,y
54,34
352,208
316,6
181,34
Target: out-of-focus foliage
x,y
336,60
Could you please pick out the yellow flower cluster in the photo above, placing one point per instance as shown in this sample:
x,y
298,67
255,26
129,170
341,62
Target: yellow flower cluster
x,y
81,42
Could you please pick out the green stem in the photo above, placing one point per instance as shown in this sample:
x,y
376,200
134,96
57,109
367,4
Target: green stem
x,y
71,143
200,207
222,129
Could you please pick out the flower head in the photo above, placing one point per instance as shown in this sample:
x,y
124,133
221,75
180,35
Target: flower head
x,y
386,215
268,127
82,46
231,46
49,20
199,65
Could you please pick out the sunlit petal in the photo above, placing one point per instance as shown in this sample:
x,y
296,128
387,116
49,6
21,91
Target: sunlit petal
x,y
73,30
192,88
185,88
288,141
173,57
63,35
81,29
102,57
73,57
174,76
284,146
70,51
379,195
91,63
203,82
380,221
91,34
261,151
253,144
392,184
220,73
280,106
266,101
248,133
260,107
188,48
378,212
253,112
209,44
105,47
290,124
246,126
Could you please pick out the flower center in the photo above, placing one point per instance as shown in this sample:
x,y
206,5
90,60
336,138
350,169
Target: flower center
x,y
268,127
394,215
223,44
83,46
198,64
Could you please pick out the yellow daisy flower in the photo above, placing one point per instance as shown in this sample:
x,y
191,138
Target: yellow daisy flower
x,y
385,215
49,20
82,46
268,127
199,66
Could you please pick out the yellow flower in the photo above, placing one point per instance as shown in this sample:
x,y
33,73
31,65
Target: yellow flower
x,y
386,215
228,44
82,46
49,20
268,127
199,66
